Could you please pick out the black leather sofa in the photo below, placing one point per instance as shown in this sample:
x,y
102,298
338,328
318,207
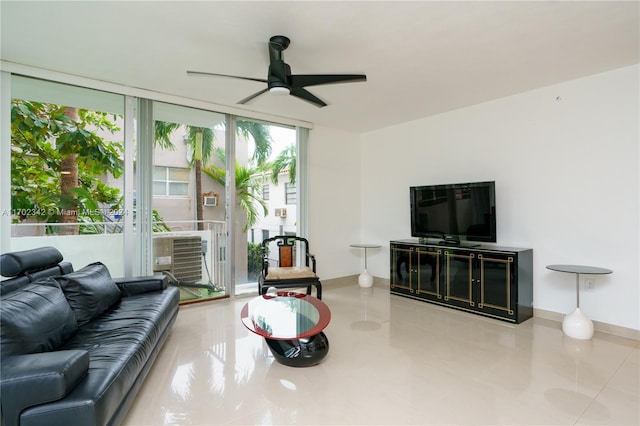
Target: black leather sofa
x,y
76,345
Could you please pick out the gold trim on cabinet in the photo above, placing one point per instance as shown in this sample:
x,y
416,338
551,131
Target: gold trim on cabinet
x,y
408,251
448,255
508,261
436,254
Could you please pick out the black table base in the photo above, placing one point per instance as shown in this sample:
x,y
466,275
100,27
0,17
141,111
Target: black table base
x,y
303,352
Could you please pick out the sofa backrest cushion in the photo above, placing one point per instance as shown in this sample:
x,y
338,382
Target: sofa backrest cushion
x,y
35,318
11,284
59,269
21,262
90,291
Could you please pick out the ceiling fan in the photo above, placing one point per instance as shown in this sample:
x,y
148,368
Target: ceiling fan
x,y
281,81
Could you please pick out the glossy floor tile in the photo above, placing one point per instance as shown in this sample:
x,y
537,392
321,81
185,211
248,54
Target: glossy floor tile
x,y
394,361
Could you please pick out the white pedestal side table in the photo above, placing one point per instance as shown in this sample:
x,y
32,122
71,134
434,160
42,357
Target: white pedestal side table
x,y
577,324
365,279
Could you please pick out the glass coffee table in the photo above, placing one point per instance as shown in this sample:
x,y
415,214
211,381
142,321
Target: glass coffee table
x,y
291,324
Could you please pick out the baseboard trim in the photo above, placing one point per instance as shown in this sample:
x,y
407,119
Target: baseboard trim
x,y
603,327
350,280
616,330
347,281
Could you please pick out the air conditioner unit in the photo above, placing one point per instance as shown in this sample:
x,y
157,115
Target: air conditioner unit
x,y
180,255
282,212
210,201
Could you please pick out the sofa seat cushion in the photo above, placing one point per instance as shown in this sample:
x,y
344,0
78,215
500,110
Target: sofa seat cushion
x,y
35,318
90,291
289,273
120,342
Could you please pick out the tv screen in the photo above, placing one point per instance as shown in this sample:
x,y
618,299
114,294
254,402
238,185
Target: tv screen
x,y
454,212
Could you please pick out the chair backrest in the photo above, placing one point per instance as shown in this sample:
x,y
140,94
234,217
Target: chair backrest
x,y
287,246
286,257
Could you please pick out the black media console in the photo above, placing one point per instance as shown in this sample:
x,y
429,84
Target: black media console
x,y
486,280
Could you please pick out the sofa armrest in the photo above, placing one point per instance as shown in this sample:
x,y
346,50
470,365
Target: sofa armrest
x,y
32,379
139,285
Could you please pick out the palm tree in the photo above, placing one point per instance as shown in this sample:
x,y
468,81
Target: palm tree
x,y
248,187
201,140
286,160
261,137
68,182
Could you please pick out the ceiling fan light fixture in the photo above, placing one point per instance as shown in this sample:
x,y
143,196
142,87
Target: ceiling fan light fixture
x,y
279,90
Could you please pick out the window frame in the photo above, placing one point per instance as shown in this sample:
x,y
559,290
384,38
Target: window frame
x,y
168,181
290,197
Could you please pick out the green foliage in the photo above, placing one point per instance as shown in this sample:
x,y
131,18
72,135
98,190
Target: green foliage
x,y
254,265
286,160
261,138
42,135
163,131
248,188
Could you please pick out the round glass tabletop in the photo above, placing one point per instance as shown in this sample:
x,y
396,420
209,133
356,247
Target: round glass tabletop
x,y
285,315
579,269
365,246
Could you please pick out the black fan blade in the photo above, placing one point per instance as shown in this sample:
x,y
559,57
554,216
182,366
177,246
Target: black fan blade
x,y
303,80
261,80
255,95
301,93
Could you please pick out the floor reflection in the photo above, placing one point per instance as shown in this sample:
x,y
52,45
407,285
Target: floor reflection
x,y
392,361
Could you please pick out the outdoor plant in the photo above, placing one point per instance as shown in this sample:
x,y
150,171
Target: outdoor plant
x,y
57,161
254,253
58,165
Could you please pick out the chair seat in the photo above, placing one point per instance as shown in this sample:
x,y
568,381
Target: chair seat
x,y
289,273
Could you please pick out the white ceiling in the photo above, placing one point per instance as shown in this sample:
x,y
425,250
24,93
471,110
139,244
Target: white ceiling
x,y
421,58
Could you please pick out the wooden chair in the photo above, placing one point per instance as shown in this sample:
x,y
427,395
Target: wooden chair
x,y
290,270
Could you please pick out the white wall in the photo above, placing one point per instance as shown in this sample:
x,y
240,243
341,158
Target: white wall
x,y
565,160
334,205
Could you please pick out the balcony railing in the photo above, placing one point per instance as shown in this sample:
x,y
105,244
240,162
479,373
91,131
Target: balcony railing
x,y
203,264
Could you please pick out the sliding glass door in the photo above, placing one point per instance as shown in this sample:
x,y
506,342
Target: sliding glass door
x,y
87,166
266,193
189,231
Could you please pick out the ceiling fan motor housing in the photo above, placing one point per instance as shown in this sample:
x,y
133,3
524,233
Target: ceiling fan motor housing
x,y
279,73
278,79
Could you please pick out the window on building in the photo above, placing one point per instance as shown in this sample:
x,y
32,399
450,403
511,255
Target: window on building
x,y
290,193
265,192
170,181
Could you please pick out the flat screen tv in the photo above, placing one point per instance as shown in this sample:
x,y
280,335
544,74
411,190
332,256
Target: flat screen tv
x,y
454,212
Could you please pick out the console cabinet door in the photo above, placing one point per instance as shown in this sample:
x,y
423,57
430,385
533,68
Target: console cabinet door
x,y
496,276
402,277
427,263
459,279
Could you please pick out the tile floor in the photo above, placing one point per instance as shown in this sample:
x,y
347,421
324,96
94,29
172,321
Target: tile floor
x,y
394,361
